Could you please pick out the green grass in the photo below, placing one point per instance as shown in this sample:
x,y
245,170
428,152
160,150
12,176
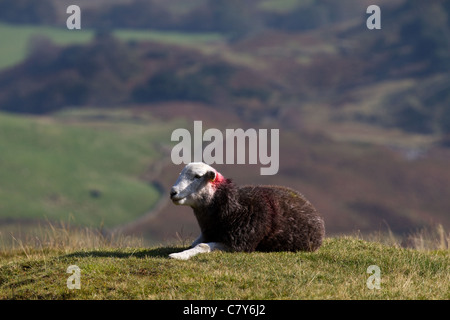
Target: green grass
x,y
338,270
15,39
83,164
170,37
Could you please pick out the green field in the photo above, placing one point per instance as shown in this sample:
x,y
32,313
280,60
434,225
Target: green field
x,y
16,39
338,270
86,165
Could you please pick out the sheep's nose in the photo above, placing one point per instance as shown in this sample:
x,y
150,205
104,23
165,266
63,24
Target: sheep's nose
x,y
173,193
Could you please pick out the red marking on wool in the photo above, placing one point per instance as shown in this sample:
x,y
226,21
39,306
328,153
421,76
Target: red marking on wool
x,y
218,179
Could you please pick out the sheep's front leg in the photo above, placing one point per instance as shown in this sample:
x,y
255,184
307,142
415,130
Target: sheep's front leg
x,y
200,248
198,240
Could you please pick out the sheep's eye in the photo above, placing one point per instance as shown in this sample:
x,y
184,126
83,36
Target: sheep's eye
x,y
197,176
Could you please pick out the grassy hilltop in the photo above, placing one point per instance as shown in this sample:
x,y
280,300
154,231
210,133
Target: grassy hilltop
x,y
338,270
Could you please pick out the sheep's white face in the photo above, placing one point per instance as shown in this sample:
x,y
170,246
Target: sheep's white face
x,y
193,187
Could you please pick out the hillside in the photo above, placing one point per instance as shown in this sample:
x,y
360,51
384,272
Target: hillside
x,y
338,270
87,167
274,60
363,115
66,163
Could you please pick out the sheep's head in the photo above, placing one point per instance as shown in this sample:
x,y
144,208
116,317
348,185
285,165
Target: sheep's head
x,y
196,185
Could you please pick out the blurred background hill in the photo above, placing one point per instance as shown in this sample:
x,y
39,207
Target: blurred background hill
x,y
86,115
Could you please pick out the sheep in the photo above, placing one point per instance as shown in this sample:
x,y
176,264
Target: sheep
x,y
245,218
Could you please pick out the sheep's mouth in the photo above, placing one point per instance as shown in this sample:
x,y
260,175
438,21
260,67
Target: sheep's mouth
x,y
177,200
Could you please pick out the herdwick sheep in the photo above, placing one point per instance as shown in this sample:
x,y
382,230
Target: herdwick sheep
x,y
245,218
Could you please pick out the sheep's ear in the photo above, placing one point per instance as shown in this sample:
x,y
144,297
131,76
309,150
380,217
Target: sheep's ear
x,y
210,175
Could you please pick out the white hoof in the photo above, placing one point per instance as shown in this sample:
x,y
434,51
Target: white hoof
x,y
179,256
